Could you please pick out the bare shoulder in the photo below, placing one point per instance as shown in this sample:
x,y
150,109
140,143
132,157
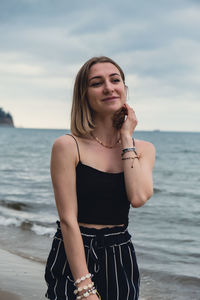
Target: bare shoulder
x,y
144,146
65,147
64,141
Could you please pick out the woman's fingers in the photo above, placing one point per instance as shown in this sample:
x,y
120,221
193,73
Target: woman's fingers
x,y
131,120
131,113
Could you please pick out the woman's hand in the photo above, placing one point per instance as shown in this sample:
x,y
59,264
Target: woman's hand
x,y
93,297
86,282
130,122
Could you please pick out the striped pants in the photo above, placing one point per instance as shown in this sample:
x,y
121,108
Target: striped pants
x,y
110,258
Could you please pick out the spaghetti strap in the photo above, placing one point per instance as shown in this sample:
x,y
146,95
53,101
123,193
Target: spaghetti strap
x,y
76,145
133,142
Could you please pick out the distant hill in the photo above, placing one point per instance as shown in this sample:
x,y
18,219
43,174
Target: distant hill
x,y
6,119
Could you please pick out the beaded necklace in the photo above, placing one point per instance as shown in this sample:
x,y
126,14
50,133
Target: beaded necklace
x,y
102,144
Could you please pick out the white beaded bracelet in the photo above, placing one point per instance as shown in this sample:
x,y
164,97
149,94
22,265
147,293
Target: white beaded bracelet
x,y
83,278
86,294
85,287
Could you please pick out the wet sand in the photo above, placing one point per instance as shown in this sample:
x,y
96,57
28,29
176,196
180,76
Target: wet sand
x,y
20,278
8,296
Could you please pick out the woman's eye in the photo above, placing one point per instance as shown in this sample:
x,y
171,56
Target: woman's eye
x,y
116,80
95,84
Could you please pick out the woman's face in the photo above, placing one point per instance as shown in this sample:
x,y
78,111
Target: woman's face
x,y
106,89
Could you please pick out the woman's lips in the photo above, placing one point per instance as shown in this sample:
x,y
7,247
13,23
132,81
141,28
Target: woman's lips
x,y
109,99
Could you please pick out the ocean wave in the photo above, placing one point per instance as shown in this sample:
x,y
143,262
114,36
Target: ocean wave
x,y
16,205
185,280
167,173
157,190
9,221
196,255
188,151
36,227
37,204
42,230
184,194
8,170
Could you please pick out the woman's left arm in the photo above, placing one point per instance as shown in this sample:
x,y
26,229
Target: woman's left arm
x,y
138,179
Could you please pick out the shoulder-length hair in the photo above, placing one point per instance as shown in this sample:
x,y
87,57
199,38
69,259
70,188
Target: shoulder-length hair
x,y
81,113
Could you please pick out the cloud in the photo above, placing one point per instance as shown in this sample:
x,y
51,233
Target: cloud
x,y
44,43
20,69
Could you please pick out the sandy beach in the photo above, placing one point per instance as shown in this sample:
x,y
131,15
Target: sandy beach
x,y
8,296
20,278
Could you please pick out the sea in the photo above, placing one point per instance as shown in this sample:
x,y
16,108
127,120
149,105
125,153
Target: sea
x,y
165,231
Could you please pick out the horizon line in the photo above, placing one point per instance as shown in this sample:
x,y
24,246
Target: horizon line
x,y
140,130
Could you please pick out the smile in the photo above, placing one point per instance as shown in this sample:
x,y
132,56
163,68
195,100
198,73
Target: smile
x,y
109,99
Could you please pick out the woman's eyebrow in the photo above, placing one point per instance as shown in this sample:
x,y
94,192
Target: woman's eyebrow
x,y
95,77
114,74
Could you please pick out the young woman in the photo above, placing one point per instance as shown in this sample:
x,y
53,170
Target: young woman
x,y
98,172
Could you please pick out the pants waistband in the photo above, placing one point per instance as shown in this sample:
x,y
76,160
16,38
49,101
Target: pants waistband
x,y
97,239
101,238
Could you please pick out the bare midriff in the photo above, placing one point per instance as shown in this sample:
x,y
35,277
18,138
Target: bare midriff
x,y
97,226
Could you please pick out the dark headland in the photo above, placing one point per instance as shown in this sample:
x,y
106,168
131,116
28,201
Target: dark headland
x,y
6,119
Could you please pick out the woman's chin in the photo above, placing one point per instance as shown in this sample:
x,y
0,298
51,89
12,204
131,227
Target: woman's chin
x,y
115,107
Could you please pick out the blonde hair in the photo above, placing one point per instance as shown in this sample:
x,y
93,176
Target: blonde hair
x,y
81,113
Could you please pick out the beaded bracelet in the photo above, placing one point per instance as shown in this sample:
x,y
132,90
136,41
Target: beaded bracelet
x,y
85,287
83,278
128,150
86,294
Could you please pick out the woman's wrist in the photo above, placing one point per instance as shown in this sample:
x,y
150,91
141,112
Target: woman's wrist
x,y
126,140
84,283
85,288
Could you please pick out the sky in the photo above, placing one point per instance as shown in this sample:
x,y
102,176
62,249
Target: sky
x,y
43,44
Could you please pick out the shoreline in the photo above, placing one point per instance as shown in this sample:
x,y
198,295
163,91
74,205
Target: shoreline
x,y
23,279
20,278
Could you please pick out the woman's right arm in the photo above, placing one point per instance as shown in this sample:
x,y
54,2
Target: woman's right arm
x,y
63,173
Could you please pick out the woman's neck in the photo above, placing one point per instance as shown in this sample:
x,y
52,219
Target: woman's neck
x,y
105,131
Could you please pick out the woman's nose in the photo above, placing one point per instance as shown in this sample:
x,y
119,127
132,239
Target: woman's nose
x,y
108,87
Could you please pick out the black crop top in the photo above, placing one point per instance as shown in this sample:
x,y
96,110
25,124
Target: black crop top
x,y
101,196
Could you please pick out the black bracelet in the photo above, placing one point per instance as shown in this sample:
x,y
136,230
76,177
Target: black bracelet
x,y
130,157
128,150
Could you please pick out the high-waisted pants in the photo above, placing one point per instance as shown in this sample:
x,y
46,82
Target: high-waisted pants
x,y
110,257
